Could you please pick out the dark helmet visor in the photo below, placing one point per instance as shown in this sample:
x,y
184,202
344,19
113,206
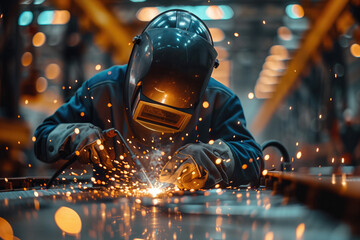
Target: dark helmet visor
x,y
180,69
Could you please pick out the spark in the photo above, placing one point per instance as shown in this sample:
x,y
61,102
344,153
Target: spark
x,y
251,95
236,34
205,104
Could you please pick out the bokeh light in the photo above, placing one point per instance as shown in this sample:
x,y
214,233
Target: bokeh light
x,y
146,14
52,71
68,220
355,50
26,59
39,39
25,18
214,12
41,84
284,33
6,231
279,51
217,34
294,11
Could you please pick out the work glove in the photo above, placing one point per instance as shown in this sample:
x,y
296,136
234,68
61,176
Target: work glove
x,y
82,140
199,165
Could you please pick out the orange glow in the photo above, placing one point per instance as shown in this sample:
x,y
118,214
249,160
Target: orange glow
x,y
52,71
269,236
280,51
26,59
284,33
244,166
269,80
61,17
298,155
147,13
41,84
214,12
218,161
39,39
298,11
300,231
68,220
265,172
222,53
251,95
355,50
6,231
217,34
267,157
98,67
205,104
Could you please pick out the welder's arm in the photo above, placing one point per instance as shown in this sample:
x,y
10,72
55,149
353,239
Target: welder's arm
x,y
230,126
199,165
82,140
68,130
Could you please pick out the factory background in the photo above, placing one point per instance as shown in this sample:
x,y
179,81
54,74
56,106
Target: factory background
x,y
293,63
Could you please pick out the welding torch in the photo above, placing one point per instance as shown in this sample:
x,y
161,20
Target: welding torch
x,y
110,133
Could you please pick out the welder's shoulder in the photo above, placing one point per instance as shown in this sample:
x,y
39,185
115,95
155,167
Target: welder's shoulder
x,y
114,75
217,88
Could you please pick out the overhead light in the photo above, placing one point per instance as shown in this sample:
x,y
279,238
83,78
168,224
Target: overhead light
x,y
57,17
284,33
38,2
214,12
294,11
279,51
25,18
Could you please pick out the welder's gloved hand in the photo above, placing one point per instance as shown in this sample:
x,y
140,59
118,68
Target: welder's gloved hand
x,y
82,140
199,165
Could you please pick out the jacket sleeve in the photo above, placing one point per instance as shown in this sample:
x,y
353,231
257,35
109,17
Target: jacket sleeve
x,y
230,126
76,110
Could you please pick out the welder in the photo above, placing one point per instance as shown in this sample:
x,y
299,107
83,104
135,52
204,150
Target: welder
x,y
186,128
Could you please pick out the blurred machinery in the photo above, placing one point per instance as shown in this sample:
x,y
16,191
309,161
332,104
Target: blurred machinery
x,y
14,131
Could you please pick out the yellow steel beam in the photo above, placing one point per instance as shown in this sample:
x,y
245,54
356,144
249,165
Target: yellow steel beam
x,y
311,42
105,23
105,20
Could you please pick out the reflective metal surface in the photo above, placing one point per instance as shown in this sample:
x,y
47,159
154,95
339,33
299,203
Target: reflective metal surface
x,y
72,213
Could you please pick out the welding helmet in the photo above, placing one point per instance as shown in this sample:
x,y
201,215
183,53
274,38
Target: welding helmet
x,y
169,68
